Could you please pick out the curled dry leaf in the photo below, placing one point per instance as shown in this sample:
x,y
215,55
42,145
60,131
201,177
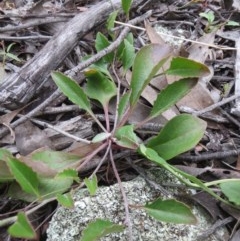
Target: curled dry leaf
x,y
30,138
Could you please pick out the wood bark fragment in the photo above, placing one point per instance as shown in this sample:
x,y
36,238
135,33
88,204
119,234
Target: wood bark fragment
x,y
20,87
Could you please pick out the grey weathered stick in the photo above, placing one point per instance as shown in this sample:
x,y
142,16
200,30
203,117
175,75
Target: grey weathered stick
x,y
72,73
235,36
20,87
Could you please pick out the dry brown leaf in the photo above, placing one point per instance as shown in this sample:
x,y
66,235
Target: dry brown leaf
x,y
160,82
200,97
238,163
209,203
39,167
30,138
81,149
153,36
6,120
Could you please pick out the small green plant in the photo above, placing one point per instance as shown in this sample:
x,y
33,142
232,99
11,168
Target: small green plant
x,y
47,175
5,52
179,134
31,182
211,26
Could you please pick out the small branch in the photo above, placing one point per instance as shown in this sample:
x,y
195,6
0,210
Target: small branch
x,y
45,124
10,220
73,72
32,24
216,105
215,226
181,38
208,156
98,122
118,99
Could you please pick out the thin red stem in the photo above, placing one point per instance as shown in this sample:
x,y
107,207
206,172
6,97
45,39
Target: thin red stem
x,y
128,221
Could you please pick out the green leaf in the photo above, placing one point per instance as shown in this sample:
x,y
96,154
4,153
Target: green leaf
x,y
5,174
171,211
65,200
24,175
22,228
127,138
100,228
101,43
72,90
91,184
188,179
99,87
57,160
121,47
128,55
147,63
9,47
126,5
231,190
110,22
48,188
179,135
209,16
232,23
102,67
5,154
171,95
71,174
187,68
13,56
152,155
123,104
101,137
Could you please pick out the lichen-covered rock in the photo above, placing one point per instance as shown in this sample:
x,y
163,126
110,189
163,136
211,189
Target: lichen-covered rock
x,y
67,224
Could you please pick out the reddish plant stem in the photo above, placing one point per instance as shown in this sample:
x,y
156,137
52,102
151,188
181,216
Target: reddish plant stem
x,y
94,153
127,221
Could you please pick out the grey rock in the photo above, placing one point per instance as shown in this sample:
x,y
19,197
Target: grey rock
x,y
67,224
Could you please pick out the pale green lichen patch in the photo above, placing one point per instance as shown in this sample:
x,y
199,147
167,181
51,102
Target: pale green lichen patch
x,y
67,224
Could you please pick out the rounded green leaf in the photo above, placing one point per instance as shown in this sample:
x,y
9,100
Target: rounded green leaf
x,y
102,43
126,137
231,190
91,184
72,90
48,188
171,95
126,5
99,87
65,200
123,104
24,175
53,160
22,228
171,211
5,174
128,55
111,21
147,62
187,68
101,137
99,228
179,135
